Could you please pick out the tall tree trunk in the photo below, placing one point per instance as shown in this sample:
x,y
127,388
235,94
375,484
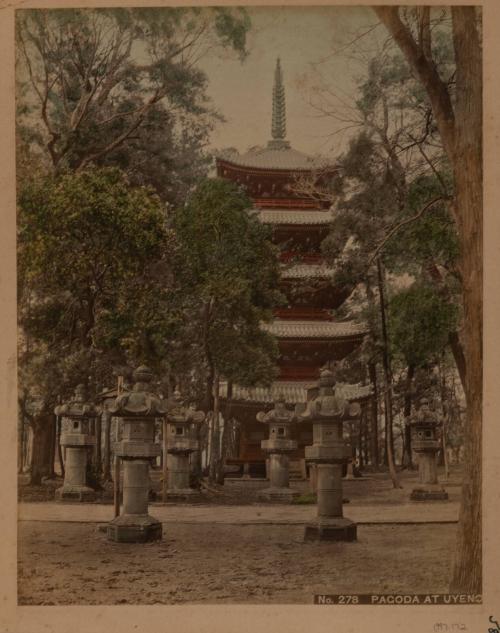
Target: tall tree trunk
x,y
164,460
106,416
59,447
461,132
374,416
42,448
53,439
387,381
226,432
407,456
467,575
20,440
223,453
215,445
445,409
360,438
98,445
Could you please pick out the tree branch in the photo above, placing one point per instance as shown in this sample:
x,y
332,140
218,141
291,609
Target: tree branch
x,y
398,226
426,72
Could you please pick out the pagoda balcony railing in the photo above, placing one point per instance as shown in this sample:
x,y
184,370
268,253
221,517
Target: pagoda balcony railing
x,y
287,203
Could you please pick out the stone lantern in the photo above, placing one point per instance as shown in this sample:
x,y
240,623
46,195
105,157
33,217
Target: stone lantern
x,y
182,423
280,421
138,409
327,411
425,442
76,438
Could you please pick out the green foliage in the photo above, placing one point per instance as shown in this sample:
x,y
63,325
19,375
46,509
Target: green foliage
x,y
392,169
90,250
229,266
419,324
431,239
122,87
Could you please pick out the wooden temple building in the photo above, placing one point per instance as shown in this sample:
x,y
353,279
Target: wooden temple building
x,y
308,334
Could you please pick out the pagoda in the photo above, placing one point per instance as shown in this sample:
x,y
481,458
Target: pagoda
x,y
309,336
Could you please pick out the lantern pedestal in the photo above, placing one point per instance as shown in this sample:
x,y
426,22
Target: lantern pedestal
x,y
429,493
74,487
279,490
182,429
80,494
134,529
331,524
426,444
76,438
138,410
178,477
336,529
135,525
329,453
278,446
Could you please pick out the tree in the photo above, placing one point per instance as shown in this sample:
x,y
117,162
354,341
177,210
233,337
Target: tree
x,y
89,251
398,154
228,275
458,116
420,321
122,87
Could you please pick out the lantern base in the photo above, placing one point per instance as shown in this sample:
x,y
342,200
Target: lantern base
x,y
278,495
184,494
134,528
75,494
429,494
335,529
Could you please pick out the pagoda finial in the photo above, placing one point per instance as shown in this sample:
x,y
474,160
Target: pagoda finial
x,y
278,127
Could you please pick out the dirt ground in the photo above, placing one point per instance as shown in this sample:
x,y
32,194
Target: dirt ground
x,y
63,563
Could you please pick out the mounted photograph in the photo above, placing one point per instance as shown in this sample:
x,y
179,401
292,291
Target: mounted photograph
x,y
249,305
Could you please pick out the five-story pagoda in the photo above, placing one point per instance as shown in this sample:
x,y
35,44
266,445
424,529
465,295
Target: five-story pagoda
x,y
308,334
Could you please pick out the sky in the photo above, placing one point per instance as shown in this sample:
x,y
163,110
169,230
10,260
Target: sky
x,y
317,45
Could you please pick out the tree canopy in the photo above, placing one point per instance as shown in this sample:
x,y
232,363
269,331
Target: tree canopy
x,y
228,264
122,87
90,248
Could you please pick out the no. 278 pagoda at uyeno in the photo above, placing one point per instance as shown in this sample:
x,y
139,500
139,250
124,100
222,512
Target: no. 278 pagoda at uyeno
x,y
308,334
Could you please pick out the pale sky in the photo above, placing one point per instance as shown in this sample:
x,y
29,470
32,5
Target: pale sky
x,y
301,37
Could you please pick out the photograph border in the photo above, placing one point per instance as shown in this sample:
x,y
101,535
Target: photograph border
x,y
254,618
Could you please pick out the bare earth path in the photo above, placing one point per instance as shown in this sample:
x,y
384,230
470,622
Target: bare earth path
x,y
232,549
73,563
248,514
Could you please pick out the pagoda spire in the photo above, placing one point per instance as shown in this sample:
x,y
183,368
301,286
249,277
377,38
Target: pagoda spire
x,y
278,126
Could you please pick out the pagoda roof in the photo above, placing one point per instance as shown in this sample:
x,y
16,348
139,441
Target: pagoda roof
x,y
288,328
294,216
276,157
293,392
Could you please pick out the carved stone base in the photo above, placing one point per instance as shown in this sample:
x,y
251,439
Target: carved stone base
x,y
75,494
278,495
184,494
429,494
134,528
339,529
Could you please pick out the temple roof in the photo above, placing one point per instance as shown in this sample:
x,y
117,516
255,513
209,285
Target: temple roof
x,y
288,328
281,157
292,391
293,216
